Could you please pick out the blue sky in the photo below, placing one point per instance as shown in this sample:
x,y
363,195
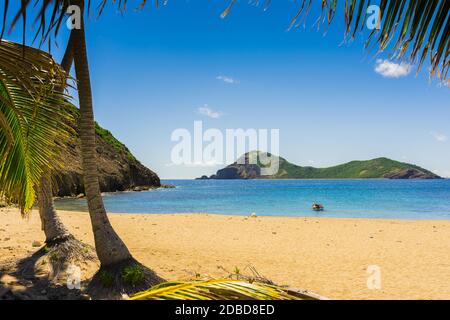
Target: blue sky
x,y
152,71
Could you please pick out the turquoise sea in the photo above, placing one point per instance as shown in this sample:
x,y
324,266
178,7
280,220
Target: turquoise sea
x,y
392,199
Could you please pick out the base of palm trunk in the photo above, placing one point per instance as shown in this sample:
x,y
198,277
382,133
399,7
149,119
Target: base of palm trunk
x,y
69,250
54,259
54,242
122,279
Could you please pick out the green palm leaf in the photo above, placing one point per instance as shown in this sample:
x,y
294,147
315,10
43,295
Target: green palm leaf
x,y
220,289
33,115
413,28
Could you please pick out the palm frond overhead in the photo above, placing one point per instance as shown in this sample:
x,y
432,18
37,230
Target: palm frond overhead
x,y
34,70
221,289
32,116
410,29
51,13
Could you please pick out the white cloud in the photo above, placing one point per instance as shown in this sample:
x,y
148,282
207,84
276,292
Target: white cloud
x,y
391,69
445,83
206,111
439,136
228,80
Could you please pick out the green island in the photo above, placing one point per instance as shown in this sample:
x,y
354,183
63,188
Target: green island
x,y
249,167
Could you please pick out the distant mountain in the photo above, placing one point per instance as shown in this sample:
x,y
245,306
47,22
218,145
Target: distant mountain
x,y
368,169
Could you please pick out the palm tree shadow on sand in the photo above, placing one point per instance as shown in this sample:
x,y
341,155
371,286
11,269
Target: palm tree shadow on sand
x,y
44,274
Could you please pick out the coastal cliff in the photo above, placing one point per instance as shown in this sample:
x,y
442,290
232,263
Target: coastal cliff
x,y
369,169
118,169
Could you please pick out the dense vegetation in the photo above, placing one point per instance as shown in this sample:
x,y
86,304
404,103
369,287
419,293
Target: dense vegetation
x,y
248,168
375,168
107,136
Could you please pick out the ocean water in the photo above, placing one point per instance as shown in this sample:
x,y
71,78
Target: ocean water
x,y
391,199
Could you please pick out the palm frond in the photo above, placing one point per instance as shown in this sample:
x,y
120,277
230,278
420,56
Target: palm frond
x,y
32,69
32,116
51,13
412,30
219,289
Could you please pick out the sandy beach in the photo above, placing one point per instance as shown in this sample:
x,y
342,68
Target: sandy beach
x,y
325,255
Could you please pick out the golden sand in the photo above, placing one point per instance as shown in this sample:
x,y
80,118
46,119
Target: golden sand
x,y
325,255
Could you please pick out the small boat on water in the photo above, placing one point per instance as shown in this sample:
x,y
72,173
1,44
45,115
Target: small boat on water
x,y
317,207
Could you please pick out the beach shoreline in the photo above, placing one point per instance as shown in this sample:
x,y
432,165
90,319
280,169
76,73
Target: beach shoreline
x,y
329,256
387,199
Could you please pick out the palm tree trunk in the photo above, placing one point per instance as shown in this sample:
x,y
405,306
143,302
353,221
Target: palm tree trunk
x,y
110,248
54,229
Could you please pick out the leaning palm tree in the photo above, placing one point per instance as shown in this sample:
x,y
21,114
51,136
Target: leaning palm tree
x,y
34,113
55,231
110,248
113,254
